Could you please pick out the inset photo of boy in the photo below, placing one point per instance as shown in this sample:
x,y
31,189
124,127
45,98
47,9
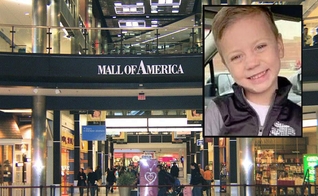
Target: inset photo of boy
x,y
252,71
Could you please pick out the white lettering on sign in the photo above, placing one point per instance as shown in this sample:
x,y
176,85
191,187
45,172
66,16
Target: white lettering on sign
x,y
141,69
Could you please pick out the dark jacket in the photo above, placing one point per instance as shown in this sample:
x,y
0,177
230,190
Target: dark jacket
x,y
195,177
174,171
81,181
111,176
161,178
98,173
91,178
232,115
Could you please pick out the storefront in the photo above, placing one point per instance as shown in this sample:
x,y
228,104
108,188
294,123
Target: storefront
x,y
279,161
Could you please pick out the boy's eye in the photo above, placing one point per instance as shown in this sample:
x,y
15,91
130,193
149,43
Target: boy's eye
x,y
236,57
261,46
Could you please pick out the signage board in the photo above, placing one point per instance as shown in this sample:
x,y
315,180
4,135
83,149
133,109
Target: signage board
x,y
310,161
94,132
199,142
148,177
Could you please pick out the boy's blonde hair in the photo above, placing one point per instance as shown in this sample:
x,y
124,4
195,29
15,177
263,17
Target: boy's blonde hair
x,y
228,15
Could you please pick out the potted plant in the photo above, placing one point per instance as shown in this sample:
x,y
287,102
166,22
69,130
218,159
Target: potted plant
x,y
125,182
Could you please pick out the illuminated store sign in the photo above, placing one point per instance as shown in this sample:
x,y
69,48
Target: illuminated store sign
x,y
310,161
141,69
67,140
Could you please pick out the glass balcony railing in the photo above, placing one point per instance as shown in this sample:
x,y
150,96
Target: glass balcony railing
x,y
100,41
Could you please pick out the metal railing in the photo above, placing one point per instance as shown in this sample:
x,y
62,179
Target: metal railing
x,y
93,41
260,190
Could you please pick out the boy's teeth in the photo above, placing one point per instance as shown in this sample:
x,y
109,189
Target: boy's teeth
x,y
258,75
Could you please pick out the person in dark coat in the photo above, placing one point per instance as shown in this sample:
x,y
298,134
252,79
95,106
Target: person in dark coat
x,y
174,171
196,180
162,190
99,175
111,179
81,181
91,180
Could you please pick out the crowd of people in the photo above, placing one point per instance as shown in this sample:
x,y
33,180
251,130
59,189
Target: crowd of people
x,y
200,179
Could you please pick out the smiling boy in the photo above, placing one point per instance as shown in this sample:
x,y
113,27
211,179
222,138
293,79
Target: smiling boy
x,y
251,47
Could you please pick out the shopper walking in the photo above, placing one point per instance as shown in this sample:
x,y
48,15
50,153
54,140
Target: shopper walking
x,y
111,179
208,177
174,171
195,180
161,181
99,175
91,180
81,181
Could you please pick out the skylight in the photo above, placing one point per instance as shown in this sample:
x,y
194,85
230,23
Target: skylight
x,y
164,6
129,9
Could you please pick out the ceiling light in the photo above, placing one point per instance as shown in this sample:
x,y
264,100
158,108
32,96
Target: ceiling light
x,y
57,91
310,123
36,90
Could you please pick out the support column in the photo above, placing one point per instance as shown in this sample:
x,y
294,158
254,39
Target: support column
x,y
197,149
192,148
55,32
216,161
188,156
77,144
246,165
100,155
39,15
106,150
111,151
38,145
90,154
57,147
228,164
233,156
205,154
75,47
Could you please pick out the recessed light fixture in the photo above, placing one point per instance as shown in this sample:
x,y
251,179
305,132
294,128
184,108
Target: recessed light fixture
x,y
36,90
57,91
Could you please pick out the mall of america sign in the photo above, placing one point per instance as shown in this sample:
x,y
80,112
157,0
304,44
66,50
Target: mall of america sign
x,y
141,69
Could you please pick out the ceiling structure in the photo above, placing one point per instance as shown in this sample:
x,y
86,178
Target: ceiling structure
x,y
138,23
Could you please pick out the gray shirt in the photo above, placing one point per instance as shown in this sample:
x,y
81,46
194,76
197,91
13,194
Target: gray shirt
x,y
213,121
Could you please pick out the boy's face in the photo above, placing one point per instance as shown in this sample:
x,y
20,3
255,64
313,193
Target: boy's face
x,y
252,53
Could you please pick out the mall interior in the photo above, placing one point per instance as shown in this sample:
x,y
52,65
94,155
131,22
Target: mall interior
x,y
136,68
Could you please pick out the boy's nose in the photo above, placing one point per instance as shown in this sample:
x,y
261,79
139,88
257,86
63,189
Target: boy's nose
x,y
251,61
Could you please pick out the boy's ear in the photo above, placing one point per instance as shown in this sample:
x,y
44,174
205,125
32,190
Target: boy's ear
x,y
280,45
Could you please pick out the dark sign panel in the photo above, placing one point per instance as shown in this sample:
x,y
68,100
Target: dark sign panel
x,y
94,69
